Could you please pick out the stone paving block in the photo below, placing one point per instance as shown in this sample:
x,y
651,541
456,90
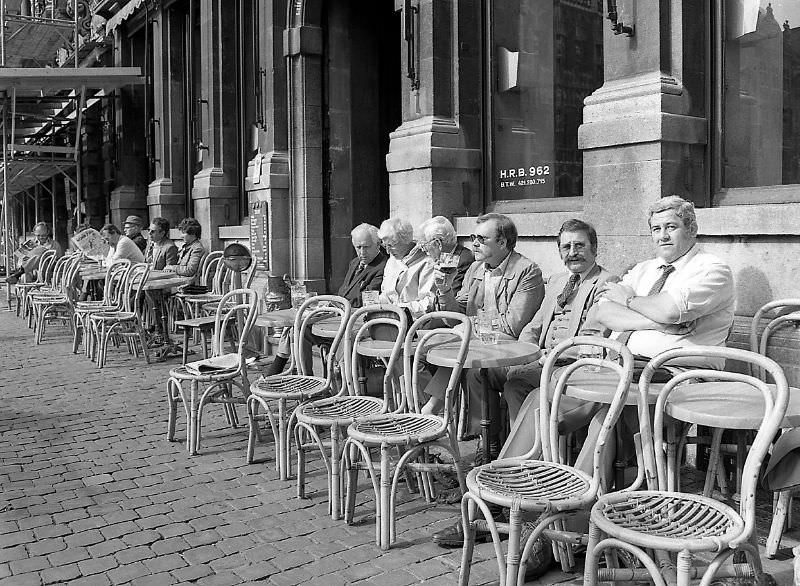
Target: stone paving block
x,y
60,574
134,554
107,547
202,554
68,556
141,537
128,572
220,579
170,545
291,577
32,579
98,565
192,573
165,563
202,538
31,564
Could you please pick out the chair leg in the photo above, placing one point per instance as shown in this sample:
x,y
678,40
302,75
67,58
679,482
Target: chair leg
x,y
779,514
713,461
683,567
172,409
513,554
336,487
185,349
468,513
592,557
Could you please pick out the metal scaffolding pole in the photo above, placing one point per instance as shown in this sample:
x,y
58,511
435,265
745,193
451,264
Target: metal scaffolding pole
x,y
6,222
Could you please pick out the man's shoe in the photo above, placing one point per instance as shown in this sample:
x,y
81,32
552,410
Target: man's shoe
x,y
541,556
12,279
453,536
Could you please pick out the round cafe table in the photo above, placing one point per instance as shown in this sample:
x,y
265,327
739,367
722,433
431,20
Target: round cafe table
x,y
483,356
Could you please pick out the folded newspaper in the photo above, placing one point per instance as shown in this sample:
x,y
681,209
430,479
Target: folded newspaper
x,y
90,243
214,364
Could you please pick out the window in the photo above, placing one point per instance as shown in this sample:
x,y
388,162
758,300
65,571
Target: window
x,y
545,57
758,52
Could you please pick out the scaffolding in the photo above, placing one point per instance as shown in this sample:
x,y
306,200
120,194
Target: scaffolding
x,y
42,105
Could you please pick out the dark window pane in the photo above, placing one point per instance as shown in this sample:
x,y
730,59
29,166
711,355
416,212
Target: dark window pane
x,y
761,93
546,58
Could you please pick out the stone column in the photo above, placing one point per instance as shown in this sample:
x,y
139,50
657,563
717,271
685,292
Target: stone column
x,y
166,193
303,49
216,192
267,180
434,157
130,194
644,130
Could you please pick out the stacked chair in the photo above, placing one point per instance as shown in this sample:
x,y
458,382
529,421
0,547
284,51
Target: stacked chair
x,y
45,268
56,304
116,275
666,530
335,414
407,431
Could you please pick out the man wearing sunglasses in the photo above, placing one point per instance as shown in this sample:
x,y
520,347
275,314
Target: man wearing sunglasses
x,y
500,280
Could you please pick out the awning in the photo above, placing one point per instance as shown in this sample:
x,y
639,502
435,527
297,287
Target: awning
x,y
122,15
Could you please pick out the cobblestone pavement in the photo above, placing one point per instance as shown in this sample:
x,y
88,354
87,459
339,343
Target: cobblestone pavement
x,y
94,494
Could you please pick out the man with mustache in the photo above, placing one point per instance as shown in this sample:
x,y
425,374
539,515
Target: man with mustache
x,y
567,299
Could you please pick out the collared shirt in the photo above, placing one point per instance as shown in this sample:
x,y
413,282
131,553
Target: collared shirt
x,y
491,279
125,248
409,282
702,288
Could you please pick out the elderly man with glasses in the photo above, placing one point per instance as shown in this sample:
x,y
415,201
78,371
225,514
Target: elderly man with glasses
x,y
438,236
29,256
408,276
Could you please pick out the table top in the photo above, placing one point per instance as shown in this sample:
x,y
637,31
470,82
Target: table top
x,y
729,405
480,355
326,328
166,283
280,318
600,386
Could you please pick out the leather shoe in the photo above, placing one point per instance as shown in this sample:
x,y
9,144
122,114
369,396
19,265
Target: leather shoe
x,y
453,536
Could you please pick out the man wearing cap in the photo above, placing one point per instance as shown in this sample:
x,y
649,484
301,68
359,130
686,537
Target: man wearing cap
x,y
133,230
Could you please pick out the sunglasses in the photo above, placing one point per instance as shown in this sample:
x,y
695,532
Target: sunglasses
x,y
479,238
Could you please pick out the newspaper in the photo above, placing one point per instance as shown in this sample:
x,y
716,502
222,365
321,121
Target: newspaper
x,y
90,243
215,364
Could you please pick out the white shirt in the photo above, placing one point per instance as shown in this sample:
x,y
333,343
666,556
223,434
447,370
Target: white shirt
x,y
702,288
491,279
125,248
409,282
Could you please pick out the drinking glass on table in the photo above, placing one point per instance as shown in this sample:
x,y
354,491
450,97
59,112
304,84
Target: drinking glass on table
x,y
298,293
487,326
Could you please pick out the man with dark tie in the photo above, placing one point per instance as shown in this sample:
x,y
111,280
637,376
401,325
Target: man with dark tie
x,y
365,272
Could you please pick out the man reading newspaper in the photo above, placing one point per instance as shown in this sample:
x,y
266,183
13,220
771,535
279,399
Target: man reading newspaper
x,y
29,253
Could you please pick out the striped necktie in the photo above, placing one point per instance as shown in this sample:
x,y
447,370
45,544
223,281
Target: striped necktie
x,y
569,289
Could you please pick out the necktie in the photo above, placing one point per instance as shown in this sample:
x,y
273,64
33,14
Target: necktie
x,y
569,289
361,267
666,271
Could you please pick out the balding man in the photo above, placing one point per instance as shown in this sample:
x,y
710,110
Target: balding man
x,y
29,263
365,272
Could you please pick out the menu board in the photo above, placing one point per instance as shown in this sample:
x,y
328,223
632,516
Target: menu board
x,y
259,231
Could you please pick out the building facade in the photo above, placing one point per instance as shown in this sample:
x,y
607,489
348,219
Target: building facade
x,y
291,121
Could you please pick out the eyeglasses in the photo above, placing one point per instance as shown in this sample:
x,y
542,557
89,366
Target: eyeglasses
x,y
426,245
479,238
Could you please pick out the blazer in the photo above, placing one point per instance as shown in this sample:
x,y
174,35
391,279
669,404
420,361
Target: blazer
x,y
189,259
161,255
536,330
465,260
519,293
368,279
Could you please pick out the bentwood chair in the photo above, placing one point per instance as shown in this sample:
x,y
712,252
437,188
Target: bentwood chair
x,y
407,429
665,530
235,317
48,285
127,321
548,487
45,265
57,305
349,404
116,274
278,394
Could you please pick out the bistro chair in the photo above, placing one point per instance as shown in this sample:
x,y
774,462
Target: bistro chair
x,y
349,404
49,284
125,322
279,394
116,274
206,272
233,322
548,487
45,264
407,429
666,530
56,305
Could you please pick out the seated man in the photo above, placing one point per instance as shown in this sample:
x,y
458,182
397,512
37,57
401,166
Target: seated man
x,y
192,253
365,273
567,299
133,230
501,280
683,297
28,263
408,276
438,235
122,247
160,251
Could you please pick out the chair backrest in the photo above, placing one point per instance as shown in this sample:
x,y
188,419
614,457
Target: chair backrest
x,y
114,274
236,312
776,399
134,286
552,390
46,261
220,283
781,306
312,310
56,273
358,334
419,341
208,267
70,286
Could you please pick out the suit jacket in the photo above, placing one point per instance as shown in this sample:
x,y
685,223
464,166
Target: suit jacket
x,y
161,255
465,260
189,259
368,279
584,298
519,293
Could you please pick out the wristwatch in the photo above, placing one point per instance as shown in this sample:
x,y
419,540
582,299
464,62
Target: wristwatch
x,y
628,300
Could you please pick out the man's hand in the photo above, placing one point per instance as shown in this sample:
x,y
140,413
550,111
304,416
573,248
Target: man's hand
x,y
681,329
171,268
443,281
616,292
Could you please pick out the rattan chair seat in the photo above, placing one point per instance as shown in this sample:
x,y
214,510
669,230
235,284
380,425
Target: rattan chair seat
x,y
291,387
93,305
205,298
182,373
338,410
670,521
114,315
397,428
534,483
33,285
